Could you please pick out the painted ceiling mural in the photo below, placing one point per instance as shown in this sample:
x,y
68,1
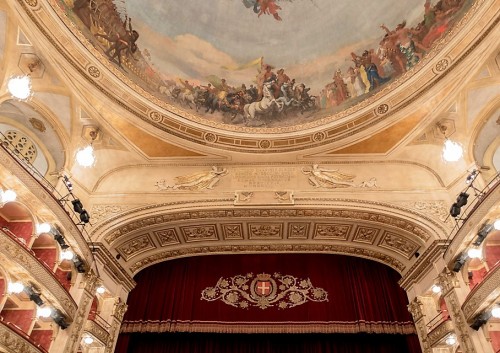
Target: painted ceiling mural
x,y
265,63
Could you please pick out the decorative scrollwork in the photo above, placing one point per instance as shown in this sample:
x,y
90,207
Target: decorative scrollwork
x,y
263,291
319,136
31,3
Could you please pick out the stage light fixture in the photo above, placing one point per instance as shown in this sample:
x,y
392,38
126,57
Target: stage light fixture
x,y
455,210
472,176
480,320
462,199
59,319
33,295
459,262
79,264
68,183
84,216
77,205
483,233
60,240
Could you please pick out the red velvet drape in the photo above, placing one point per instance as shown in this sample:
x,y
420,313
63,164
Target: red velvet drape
x,y
261,343
363,296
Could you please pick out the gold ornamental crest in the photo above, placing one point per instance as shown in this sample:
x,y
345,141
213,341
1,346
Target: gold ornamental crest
x,y
264,290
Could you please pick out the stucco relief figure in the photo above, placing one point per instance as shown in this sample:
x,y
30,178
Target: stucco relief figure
x,y
328,178
196,181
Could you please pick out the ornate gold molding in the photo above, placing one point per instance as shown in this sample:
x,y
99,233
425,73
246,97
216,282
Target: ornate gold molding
x,y
13,342
97,331
440,332
482,295
272,248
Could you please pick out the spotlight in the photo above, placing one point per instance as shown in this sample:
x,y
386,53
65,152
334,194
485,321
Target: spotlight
x,y
84,216
60,239
33,295
79,264
483,233
68,183
480,320
472,176
77,205
59,319
455,210
462,199
459,262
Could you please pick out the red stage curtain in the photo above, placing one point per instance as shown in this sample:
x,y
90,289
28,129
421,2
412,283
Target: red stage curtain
x,y
262,343
363,296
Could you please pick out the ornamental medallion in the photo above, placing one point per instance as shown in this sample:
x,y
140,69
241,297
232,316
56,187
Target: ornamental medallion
x,y
264,291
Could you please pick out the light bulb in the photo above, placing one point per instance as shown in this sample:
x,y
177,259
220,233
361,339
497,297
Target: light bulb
x,y
44,312
474,253
88,340
100,290
85,157
452,151
15,287
451,340
436,289
43,228
7,196
495,312
20,87
67,255
496,225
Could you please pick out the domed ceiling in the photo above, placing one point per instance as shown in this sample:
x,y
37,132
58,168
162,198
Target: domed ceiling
x,y
265,64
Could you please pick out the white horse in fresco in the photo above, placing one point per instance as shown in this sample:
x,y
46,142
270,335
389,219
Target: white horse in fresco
x,y
263,106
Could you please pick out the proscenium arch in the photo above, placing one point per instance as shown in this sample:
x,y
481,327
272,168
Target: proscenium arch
x,y
382,232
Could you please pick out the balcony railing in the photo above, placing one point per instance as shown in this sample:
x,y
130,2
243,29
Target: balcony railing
x,y
437,320
12,249
12,337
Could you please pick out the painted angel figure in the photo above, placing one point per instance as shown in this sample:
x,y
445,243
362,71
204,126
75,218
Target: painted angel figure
x,y
201,180
268,7
328,178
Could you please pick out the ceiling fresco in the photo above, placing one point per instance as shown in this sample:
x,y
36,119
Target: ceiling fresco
x,y
265,63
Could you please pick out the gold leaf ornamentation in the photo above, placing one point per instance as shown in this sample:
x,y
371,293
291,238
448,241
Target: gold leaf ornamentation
x,y
264,291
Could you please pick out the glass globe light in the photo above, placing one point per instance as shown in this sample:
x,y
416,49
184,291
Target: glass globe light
x,y
15,287
496,225
495,312
100,290
436,289
452,151
88,340
44,312
451,340
7,196
474,253
43,228
67,255
85,157
20,87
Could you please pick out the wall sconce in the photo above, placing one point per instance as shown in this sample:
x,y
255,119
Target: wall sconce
x,y
452,151
15,287
451,340
436,289
7,196
43,228
85,156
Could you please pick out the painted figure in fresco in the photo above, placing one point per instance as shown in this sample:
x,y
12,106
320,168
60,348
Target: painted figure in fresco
x,y
328,178
263,106
407,45
267,7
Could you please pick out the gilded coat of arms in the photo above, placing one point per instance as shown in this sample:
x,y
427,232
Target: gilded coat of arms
x,y
264,290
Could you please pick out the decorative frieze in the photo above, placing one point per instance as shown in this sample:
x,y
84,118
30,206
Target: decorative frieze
x,y
232,231
136,246
298,230
167,236
265,230
399,244
199,233
274,248
365,235
331,231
